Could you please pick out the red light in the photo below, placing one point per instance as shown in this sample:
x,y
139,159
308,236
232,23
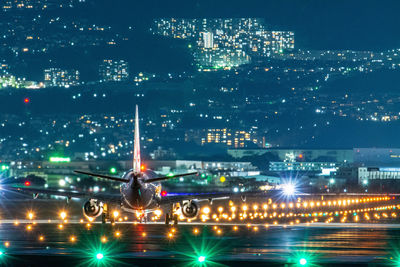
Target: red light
x,y
26,100
27,183
300,156
163,193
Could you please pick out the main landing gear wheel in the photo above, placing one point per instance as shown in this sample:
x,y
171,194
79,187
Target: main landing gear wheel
x,y
103,217
167,219
175,219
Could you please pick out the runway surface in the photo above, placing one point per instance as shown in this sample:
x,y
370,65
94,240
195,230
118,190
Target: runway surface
x,y
46,240
226,244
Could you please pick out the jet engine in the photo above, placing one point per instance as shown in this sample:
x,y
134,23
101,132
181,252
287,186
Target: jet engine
x,y
92,208
190,209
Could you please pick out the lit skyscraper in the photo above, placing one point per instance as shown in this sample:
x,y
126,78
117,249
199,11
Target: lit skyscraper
x,y
208,39
114,70
61,78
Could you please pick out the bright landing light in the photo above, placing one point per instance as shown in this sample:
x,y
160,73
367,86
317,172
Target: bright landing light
x,y
288,189
99,256
201,259
303,261
63,215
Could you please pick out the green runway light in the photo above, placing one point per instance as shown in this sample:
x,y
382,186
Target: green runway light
x,y
201,259
99,256
170,174
303,261
113,170
4,167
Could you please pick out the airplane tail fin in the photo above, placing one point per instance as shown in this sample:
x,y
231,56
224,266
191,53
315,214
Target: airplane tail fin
x,y
136,151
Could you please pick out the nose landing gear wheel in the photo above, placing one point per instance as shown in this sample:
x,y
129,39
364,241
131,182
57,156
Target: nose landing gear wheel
x,y
167,218
175,219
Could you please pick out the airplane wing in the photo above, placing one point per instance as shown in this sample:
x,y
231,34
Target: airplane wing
x,y
175,198
116,198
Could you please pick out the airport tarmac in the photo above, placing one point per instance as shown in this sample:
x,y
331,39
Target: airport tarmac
x,y
155,244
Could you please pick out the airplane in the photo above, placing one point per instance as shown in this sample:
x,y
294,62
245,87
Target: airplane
x,y
140,192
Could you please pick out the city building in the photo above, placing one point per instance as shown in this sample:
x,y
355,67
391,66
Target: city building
x,y
324,168
114,70
232,138
37,4
364,175
226,43
297,155
56,77
208,41
377,156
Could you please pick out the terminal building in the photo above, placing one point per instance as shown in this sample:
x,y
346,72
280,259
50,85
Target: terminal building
x,y
377,156
364,175
309,167
307,155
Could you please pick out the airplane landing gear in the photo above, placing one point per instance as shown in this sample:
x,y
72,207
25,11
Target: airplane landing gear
x,y
106,216
171,218
167,219
175,219
143,218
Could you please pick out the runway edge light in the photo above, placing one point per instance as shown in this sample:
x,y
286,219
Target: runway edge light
x,y
201,258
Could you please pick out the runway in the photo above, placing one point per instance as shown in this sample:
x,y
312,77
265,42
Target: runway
x,y
45,240
226,244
